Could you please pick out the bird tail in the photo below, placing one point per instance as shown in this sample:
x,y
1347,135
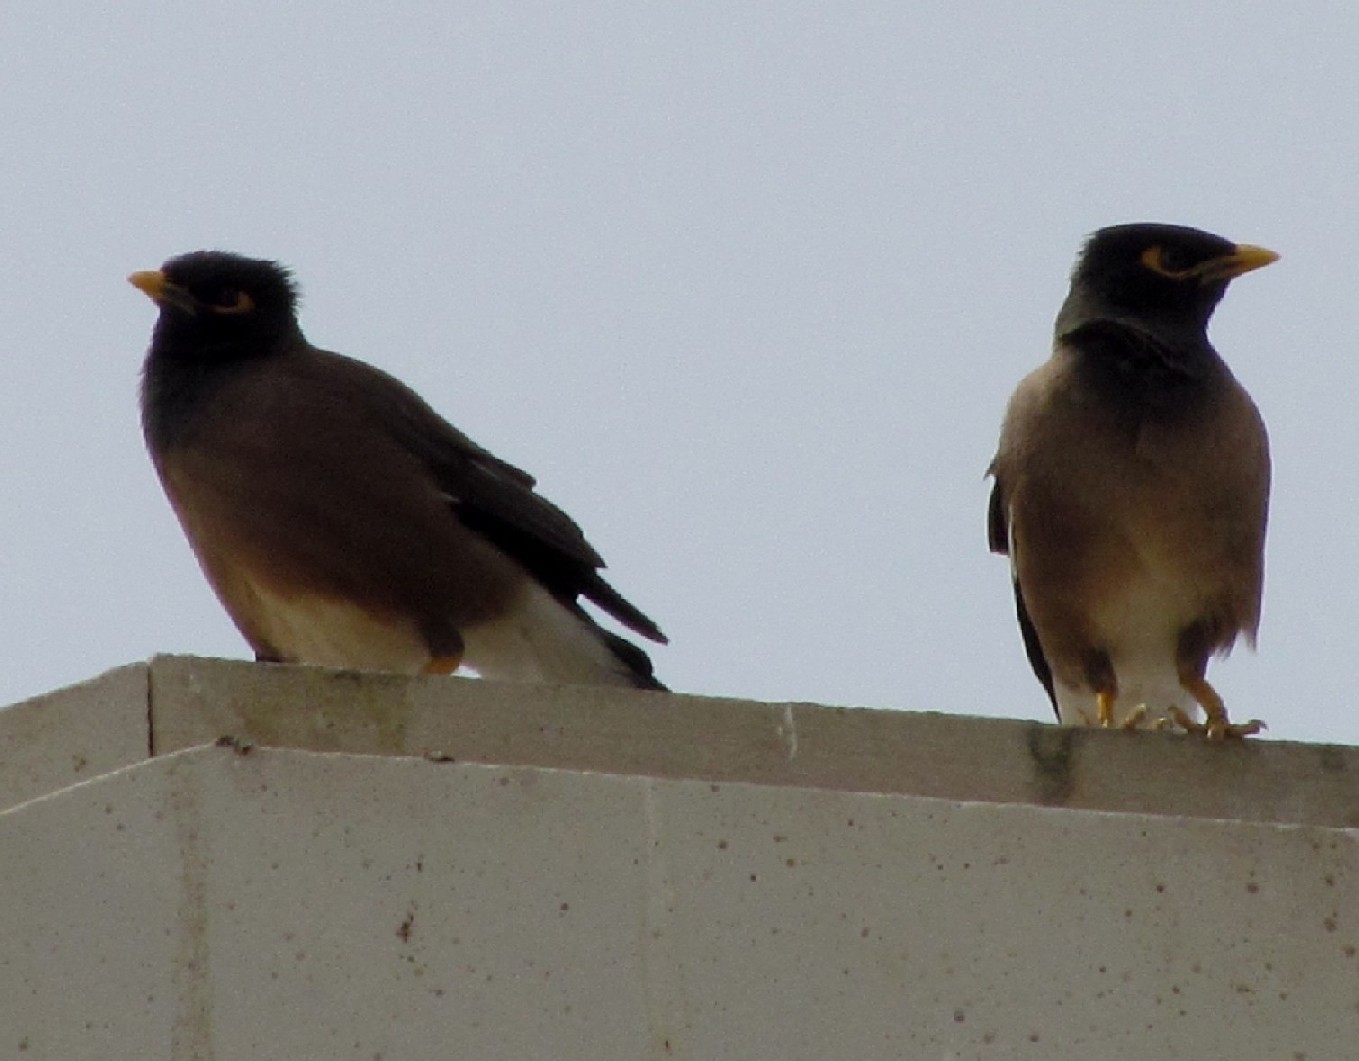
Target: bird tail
x,y
637,662
614,603
544,639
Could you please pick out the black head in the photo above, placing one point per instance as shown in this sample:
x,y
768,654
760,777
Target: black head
x,y
219,306
1166,277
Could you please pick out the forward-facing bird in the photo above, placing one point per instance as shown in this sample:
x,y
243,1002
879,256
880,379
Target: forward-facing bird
x,y
340,519
1132,485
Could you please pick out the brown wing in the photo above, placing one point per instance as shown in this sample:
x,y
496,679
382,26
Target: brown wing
x,y
287,489
490,496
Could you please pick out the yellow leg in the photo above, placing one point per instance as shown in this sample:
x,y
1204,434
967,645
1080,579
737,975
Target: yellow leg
x,y
1216,725
1104,706
1104,713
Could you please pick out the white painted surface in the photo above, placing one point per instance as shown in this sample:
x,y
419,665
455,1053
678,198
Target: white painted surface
x,y
73,734
287,904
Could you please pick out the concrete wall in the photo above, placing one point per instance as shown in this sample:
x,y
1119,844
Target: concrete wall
x,y
378,867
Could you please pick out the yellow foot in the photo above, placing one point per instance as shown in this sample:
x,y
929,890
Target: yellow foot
x,y
1104,717
1217,727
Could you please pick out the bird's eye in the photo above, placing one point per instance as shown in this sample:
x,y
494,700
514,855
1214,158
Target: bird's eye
x,y
1168,261
229,300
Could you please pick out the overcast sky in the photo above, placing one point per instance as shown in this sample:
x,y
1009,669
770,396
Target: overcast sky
x,y
746,285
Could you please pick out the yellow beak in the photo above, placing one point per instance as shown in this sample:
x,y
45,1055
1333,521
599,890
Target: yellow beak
x,y
156,286
1243,259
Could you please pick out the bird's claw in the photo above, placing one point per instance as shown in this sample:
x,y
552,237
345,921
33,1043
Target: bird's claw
x,y
1216,727
1104,715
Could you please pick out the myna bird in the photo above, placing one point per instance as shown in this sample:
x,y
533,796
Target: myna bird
x,y
340,519
1132,487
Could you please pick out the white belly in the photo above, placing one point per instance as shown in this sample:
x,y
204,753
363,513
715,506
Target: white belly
x,y
334,633
1141,629
538,640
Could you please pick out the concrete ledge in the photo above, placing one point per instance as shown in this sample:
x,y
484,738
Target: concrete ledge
x,y
74,734
287,904
432,868
174,703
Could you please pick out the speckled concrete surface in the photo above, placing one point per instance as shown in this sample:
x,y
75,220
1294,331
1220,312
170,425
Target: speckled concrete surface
x,y
263,900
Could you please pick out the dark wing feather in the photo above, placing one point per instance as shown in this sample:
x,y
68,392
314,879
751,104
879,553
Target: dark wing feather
x,y
998,537
997,521
497,500
1033,648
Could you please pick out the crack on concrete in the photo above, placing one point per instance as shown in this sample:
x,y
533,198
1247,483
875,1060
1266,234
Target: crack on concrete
x,y
191,1035
666,1001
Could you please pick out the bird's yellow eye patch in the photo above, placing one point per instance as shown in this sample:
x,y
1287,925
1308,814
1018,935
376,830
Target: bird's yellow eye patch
x,y
1156,259
233,303
1240,259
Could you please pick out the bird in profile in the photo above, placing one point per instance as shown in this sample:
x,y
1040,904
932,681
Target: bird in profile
x,y
1131,487
340,519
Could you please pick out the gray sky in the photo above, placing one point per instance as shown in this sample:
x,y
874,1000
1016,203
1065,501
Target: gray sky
x,y
745,285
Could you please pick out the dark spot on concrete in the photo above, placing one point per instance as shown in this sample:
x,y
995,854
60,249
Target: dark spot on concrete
x,y
722,845
1331,758
1253,888
1052,749
959,1016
